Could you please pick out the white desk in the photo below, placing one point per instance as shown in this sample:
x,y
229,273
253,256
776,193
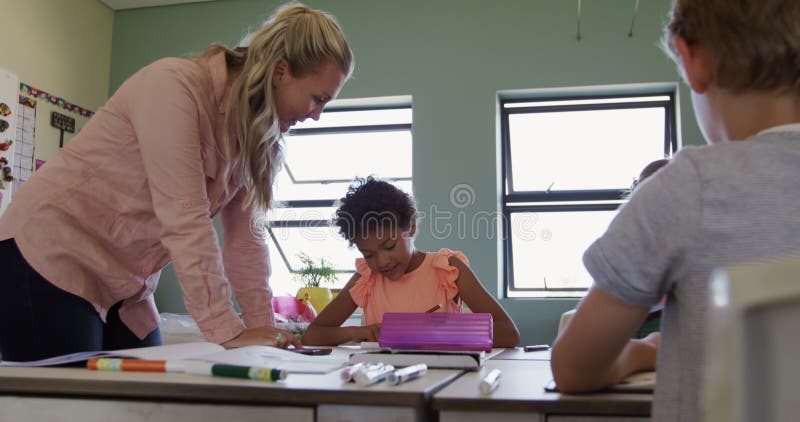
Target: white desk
x,y
521,397
78,394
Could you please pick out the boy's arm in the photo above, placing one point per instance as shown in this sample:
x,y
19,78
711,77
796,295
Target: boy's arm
x,y
596,349
479,300
326,329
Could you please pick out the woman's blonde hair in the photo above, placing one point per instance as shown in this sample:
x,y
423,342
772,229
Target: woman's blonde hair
x,y
756,42
306,39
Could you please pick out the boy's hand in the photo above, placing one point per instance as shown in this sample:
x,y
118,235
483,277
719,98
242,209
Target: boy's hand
x,y
366,333
653,339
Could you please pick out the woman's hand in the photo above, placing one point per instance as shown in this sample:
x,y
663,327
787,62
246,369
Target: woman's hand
x,y
366,333
263,336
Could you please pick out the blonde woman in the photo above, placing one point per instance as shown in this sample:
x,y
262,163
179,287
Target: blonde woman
x,y
183,140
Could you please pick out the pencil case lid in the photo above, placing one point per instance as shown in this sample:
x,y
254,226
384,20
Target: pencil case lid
x,y
437,331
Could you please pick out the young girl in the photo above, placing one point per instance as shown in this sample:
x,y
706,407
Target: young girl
x,y
393,276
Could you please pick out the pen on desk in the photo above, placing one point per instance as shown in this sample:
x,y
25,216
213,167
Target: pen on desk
x,y
408,373
372,376
139,365
536,347
490,381
235,371
434,309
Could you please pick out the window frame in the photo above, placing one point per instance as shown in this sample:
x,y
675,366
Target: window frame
x,y
586,200
330,202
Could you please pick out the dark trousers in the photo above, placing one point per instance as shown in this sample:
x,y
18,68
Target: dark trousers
x,y
39,320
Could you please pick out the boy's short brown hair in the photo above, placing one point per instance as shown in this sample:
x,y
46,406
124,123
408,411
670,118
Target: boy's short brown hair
x,y
756,42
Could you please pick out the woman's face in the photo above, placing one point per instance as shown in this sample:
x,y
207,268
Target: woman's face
x,y
388,251
297,99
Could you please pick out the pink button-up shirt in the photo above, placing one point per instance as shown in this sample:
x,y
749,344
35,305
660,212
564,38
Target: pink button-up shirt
x,y
137,188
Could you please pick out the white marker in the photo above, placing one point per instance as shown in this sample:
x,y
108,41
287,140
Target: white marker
x,y
490,381
408,373
348,374
371,376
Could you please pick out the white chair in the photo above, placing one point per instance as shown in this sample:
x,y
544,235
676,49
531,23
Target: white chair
x,y
752,345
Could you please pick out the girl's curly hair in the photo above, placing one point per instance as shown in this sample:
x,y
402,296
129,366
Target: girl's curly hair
x,y
372,204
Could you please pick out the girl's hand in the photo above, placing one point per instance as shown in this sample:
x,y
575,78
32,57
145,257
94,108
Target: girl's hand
x,y
366,333
263,336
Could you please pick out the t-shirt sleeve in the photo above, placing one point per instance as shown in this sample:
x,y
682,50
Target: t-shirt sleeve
x,y
447,273
634,258
362,289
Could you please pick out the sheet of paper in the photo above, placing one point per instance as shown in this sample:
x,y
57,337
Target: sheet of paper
x,y
271,357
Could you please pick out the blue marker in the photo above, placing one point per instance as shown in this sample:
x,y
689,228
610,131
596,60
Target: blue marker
x,y
408,373
371,376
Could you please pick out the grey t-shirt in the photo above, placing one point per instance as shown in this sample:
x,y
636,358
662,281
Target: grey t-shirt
x,y
711,206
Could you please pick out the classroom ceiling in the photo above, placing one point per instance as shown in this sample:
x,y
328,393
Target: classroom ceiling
x,y
133,4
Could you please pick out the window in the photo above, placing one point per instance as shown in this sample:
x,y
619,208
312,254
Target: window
x,y
322,159
568,164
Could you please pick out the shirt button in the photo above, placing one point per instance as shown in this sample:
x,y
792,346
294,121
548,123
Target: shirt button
x,y
187,203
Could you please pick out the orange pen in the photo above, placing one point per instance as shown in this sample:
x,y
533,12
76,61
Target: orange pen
x,y
139,365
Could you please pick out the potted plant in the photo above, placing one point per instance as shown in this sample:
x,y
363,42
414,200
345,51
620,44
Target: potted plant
x,y
311,275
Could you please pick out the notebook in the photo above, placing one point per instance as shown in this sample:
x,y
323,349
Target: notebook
x,y
471,361
640,382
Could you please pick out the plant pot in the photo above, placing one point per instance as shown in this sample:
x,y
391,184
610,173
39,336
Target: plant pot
x,y
319,297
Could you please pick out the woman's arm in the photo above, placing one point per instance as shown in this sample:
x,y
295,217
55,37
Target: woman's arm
x,y
170,142
479,300
327,330
247,263
596,350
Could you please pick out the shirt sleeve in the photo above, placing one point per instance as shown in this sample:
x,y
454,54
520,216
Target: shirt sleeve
x,y
362,289
635,259
447,273
247,265
164,113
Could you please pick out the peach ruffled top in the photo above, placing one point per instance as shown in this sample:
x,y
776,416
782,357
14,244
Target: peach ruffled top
x,y
432,283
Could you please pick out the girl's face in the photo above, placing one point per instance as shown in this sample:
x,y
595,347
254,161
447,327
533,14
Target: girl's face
x,y
389,251
297,99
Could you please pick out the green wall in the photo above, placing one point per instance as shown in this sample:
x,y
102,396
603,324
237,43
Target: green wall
x,y
453,57
60,47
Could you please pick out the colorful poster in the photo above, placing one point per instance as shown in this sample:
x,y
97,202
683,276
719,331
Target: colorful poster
x,y
24,163
9,100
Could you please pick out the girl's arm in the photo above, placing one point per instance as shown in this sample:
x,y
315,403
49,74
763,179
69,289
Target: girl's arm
x,y
327,330
595,350
479,300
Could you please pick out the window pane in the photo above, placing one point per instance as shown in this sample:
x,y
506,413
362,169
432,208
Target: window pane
x,y
301,214
316,242
583,150
283,282
548,247
330,156
285,190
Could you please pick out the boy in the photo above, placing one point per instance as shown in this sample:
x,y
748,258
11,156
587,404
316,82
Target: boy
x,y
731,201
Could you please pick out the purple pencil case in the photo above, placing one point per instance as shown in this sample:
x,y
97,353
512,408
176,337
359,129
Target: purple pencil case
x,y
438,331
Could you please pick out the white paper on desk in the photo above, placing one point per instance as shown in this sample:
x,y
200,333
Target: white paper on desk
x,y
178,351
272,357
